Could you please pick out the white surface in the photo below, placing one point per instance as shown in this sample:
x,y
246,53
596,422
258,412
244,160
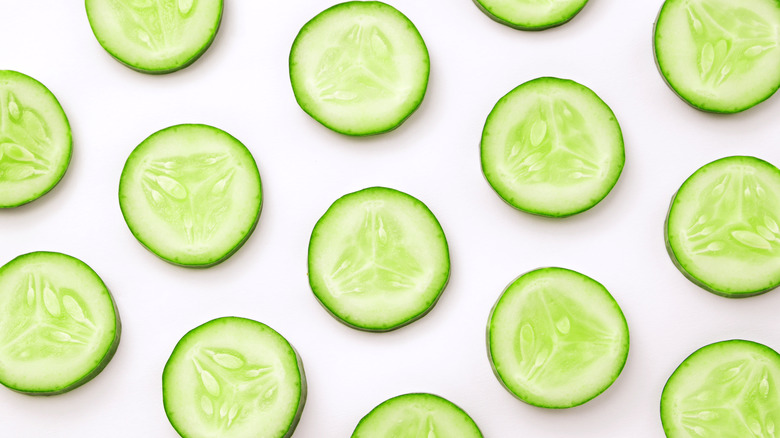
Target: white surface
x,y
241,85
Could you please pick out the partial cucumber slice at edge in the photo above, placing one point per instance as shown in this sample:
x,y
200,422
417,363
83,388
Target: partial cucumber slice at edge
x,y
519,22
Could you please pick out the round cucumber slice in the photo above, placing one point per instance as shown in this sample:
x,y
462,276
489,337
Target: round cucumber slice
x,y
359,68
722,229
234,377
725,389
417,415
556,338
531,14
719,55
59,326
155,36
378,259
552,147
191,194
35,140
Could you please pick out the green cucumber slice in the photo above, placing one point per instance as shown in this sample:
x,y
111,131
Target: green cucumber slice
x,y
359,68
556,338
378,259
191,194
59,326
722,228
719,55
531,14
35,139
552,147
417,415
155,36
234,377
725,389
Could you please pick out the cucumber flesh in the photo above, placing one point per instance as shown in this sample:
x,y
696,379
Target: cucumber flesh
x,y
552,147
35,139
191,194
378,259
417,415
155,36
359,68
719,55
725,389
556,338
531,14
234,377
59,326
723,231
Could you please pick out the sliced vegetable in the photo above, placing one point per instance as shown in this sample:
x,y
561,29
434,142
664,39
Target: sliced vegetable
x,y
556,338
59,326
191,194
35,139
531,14
725,389
378,259
552,147
359,68
719,55
155,36
234,377
417,415
722,229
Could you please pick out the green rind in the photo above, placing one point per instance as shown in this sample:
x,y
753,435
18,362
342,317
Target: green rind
x,y
535,210
528,26
696,280
529,399
175,261
109,354
303,385
703,105
667,401
163,70
412,398
69,141
303,100
346,320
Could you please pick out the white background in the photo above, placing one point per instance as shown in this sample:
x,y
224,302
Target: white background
x,y
241,85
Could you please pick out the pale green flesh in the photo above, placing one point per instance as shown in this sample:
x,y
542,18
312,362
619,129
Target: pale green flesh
x,y
191,194
722,229
359,68
59,326
552,147
155,36
378,259
234,377
557,338
417,416
727,389
719,55
35,139
531,14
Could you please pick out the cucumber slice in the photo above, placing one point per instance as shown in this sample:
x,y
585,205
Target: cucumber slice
x,y
60,326
725,389
234,377
378,259
417,415
722,229
719,55
531,14
191,194
556,338
35,140
552,147
359,68
155,36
